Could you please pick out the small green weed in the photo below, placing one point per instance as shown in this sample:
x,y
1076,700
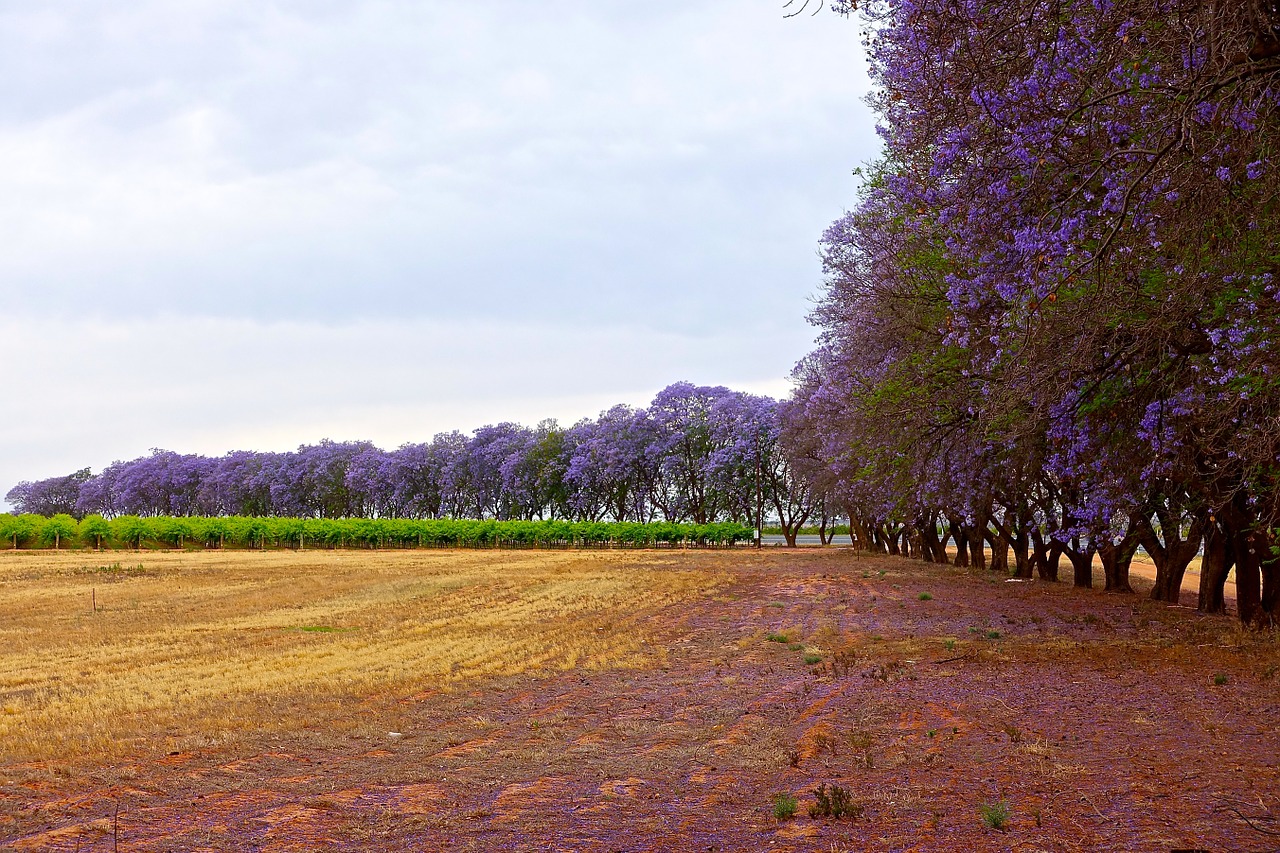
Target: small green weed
x,y
776,604
949,645
811,659
924,596
777,638
1220,679
116,570
993,635
795,647
784,806
995,815
932,733
834,802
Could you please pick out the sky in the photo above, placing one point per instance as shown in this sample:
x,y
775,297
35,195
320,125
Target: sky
x,y
254,225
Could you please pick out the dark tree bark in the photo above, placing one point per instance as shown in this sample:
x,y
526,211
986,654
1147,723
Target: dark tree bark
x,y
1249,548
1116,559
824,524
1081,558
999,551
1047,555
933,548
1271,584
977,545
957,532
1219,557
1172,555
889,539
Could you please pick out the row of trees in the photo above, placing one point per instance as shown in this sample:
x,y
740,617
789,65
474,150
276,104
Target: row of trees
x,y
1051,322
132,531
695,454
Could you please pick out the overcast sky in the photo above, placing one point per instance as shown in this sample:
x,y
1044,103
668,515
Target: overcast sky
x,y
254,225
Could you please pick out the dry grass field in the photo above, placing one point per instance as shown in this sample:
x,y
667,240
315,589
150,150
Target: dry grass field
x,y
188,649
616,701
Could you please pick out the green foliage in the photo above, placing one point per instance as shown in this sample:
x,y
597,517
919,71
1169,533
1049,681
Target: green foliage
x,y
995,815
18,530
94,530
1220,679
55,531
171,531
784,806
924,596
810,660
777,638
131,531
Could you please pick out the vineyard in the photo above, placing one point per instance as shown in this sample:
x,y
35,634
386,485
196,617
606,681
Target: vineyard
x,y
131,531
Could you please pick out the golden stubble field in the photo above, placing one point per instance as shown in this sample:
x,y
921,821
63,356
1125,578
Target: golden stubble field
x,y
617,701
188,649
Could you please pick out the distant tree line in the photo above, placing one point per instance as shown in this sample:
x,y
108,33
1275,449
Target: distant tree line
x,y
695,454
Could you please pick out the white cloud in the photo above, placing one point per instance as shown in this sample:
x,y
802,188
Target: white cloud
x,y
236,224
235,158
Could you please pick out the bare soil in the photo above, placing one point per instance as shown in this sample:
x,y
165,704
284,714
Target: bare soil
x,y
1102,722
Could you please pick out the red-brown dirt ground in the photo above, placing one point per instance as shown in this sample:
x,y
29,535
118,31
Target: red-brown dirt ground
x,y
1103,722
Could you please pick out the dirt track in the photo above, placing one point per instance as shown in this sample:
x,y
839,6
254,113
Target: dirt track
x,y
1095,717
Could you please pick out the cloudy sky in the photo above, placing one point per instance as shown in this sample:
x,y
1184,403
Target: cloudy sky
x,y
236,224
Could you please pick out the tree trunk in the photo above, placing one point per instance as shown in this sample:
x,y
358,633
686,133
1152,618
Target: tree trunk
x,y
858,533
957,533
977,554
1270,584
913,540
1172,555
889,540
1250,552
999,552
1081,562
1046,555
933,549
1168,586
1115,564
1251,547
1021,553
1219,556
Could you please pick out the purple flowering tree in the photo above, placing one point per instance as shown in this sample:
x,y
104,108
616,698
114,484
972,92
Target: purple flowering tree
x,y
1052,316
56,495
